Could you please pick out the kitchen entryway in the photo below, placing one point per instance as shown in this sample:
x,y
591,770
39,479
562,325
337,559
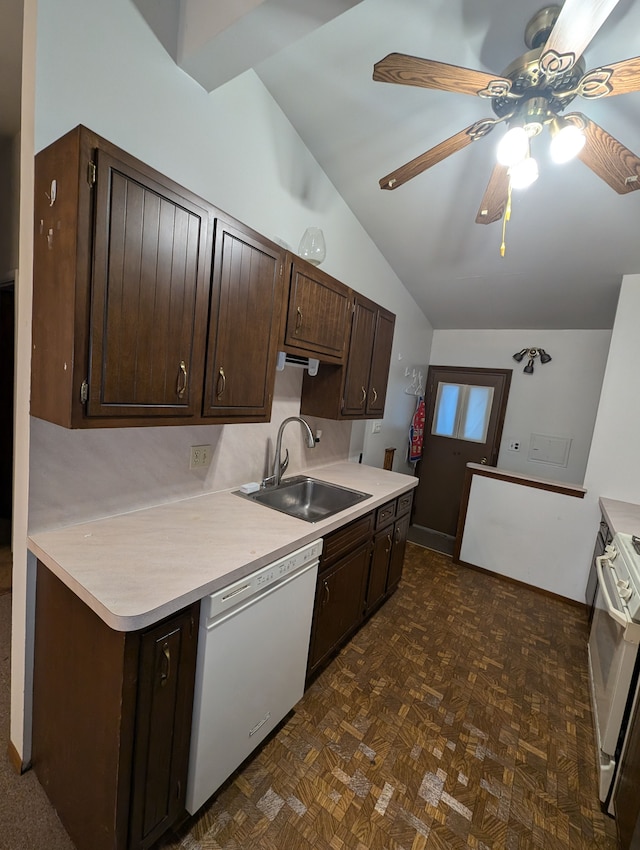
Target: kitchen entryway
x,y
458,717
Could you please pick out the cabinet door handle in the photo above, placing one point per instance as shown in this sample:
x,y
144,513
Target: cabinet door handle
x,y
221,384
389,541
375,394
183,380
298,319
166,673
326,591
364,397
397,535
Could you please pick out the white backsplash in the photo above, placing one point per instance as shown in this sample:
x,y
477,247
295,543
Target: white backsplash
x,y
86,474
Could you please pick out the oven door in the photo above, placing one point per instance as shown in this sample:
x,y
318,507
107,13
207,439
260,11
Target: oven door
x,y
613,649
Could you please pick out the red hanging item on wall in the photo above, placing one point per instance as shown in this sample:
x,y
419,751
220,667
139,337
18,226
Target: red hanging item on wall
x,y
416,432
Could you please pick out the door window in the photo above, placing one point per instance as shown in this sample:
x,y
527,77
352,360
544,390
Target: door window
x,y
462,412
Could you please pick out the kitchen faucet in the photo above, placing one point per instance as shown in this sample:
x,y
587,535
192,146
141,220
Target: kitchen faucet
x,y
279,468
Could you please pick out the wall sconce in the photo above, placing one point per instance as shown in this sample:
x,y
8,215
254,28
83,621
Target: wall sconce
x,y
531,353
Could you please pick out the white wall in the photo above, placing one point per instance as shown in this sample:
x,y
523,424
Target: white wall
x,y
613,470
559,399
531,535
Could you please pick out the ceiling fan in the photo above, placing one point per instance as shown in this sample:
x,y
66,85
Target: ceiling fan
x,y
531,94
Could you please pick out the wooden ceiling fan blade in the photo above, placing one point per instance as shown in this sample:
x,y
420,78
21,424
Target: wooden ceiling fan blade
x,y
437,154
618,78
494,200
607,157
578,22
407,70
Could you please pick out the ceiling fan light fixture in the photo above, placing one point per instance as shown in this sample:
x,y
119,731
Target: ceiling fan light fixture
x,y
513,146
567,140
523,173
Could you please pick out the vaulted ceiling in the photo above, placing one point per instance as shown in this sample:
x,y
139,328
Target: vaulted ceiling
x,y
570,238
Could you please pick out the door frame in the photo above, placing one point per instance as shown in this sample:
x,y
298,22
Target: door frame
x,y
471,371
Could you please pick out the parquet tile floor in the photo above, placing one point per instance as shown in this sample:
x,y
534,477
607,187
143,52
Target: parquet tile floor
x,y
458,717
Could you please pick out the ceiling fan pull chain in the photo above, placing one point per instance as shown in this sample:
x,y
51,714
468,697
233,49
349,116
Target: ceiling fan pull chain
x,y
507,216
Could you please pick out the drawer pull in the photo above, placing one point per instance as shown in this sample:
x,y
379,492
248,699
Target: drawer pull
x,y
166,673
183,380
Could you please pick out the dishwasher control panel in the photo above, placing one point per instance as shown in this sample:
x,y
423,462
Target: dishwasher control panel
x,y
245,588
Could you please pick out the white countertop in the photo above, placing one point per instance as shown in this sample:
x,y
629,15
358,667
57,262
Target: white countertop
x,y
621,516
137,568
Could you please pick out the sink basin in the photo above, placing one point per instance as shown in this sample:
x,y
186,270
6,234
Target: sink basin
x,y
307,498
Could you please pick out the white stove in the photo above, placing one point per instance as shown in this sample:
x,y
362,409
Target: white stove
x,y
625,562
613,654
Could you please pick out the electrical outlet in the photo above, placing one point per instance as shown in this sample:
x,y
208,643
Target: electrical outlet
x,y
200,457
514,445
376,427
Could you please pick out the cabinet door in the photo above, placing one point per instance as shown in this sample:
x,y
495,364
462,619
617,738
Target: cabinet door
x,y
380,558
339,604
149,296
319,308
380,361
246,302
397,553
359,359
163,725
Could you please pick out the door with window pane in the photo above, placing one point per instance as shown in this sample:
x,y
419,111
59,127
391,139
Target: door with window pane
x,y
465,409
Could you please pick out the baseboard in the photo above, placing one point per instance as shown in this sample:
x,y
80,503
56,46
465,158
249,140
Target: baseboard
x,y
549,593
16,760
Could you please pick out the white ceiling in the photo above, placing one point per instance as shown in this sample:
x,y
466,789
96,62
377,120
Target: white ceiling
x,y
571,237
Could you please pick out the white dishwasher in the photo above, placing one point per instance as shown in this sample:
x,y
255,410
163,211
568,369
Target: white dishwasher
x,y
252,660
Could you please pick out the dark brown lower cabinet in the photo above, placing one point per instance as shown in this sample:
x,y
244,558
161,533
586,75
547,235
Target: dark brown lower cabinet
x,y
361,566
380,559
389,544
111,719
400,529
339,605
627,798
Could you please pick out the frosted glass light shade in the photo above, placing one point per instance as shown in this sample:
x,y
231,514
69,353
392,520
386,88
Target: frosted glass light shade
x,y
513,146
312,246
523,173
566,143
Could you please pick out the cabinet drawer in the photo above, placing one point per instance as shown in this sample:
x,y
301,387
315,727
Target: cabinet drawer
x,y
345,539
404,503
385,513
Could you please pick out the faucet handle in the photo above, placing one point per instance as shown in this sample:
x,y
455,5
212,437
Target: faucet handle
x,y
285,462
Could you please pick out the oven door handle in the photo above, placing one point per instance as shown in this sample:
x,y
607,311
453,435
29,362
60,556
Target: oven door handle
x,y
618,616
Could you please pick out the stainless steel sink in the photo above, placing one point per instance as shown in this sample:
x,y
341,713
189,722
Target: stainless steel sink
x,y
307,498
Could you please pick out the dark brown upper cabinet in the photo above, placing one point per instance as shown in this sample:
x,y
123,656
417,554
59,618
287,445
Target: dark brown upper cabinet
x,y
357,390
318,313
131,307
122,264
149,295
246,296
